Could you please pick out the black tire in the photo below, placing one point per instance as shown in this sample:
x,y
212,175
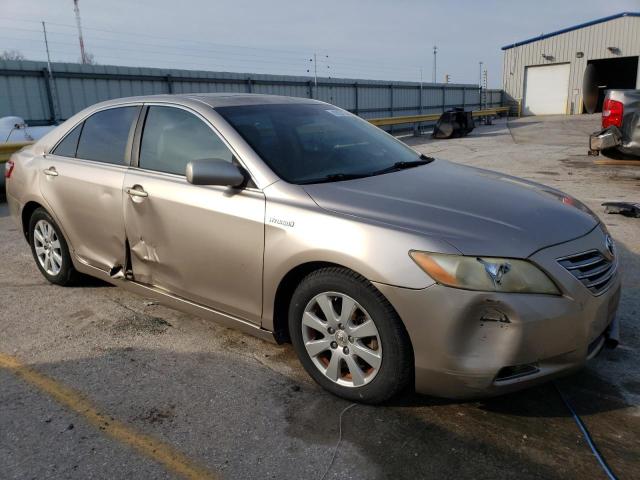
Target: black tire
x,y
67,274
396,369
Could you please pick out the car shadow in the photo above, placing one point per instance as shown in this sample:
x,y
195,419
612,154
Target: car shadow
x,y
86,281
614,154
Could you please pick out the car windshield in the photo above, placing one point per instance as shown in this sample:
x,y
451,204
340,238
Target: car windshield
x,y
312,143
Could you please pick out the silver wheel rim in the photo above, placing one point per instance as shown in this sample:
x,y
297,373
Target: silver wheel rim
x,y
47,245
341,339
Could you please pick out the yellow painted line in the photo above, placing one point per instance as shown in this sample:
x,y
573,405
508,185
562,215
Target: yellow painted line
x,y
162,453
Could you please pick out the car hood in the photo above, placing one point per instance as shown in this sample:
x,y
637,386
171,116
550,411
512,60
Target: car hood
x,y
479,212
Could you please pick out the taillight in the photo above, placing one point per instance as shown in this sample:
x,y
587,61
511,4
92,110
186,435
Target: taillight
x,y
612,111
8,168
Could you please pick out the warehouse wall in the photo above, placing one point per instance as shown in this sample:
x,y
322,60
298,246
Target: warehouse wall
x,y
623,32
27,91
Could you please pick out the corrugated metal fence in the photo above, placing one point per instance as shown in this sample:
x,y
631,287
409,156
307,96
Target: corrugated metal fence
x,y
26,90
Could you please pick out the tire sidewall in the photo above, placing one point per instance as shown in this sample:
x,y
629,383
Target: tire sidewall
x,y
385,383
66,270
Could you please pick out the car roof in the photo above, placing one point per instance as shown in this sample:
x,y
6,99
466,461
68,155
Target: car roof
x,y
214,99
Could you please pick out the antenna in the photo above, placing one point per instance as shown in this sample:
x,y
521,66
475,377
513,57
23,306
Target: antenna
x,y
83,55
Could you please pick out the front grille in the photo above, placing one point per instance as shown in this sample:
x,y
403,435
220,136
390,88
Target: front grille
x,y
592,268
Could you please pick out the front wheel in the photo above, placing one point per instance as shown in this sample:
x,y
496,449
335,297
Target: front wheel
x,y
348,336
50,249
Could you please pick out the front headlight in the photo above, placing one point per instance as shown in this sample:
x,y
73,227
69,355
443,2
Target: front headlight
x,y
485,273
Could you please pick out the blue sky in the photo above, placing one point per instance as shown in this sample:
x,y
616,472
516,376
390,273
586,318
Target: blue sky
x,y
379,39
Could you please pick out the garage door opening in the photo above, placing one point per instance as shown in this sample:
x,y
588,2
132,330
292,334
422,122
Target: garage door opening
x,y
611,73
546,89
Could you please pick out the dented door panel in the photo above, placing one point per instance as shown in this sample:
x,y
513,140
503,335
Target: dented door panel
x,y
86,199
202,243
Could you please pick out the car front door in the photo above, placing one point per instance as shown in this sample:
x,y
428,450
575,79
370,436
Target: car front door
x,y
201,243
82,183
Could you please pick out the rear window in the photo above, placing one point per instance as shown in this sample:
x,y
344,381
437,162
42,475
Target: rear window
x,y
105,135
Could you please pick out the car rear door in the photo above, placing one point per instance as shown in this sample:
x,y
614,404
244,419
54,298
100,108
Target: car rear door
x,y
201,243
82,185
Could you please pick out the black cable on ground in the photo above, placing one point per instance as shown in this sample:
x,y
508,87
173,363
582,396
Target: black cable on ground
x,y
587,435
335,450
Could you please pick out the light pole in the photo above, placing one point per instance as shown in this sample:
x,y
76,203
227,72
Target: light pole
x,y
435,63
480,86
314,60
315,70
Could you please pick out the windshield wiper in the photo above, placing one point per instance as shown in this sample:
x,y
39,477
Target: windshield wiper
x,y
404,165
335,177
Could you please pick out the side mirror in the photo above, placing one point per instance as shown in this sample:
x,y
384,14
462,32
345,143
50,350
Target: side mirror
x,y
213,171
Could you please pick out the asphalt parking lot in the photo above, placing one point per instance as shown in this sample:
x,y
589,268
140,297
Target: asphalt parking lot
x,y
99,383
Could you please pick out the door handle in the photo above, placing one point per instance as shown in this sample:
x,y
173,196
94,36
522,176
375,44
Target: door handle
x,y
136,192
51,172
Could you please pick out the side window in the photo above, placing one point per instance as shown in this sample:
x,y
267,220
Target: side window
x,y
105,135
172,137
69,144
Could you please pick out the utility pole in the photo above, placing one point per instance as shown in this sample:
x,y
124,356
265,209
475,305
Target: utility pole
x,y
46,46
55,95
83,55
435,63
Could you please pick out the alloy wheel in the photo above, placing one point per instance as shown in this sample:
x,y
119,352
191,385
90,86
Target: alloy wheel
x,y
47,246
341,339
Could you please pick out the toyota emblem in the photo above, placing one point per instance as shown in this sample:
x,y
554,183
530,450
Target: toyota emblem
x,y
608,242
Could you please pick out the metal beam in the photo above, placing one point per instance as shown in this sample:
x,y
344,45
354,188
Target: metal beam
x,y
430,117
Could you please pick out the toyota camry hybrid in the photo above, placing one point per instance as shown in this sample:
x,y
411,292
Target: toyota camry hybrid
x,y
295,220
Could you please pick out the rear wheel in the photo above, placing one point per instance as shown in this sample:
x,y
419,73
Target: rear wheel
x,y
50,249
348,337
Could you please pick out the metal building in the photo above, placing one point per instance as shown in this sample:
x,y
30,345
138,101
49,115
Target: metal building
x,y
558,72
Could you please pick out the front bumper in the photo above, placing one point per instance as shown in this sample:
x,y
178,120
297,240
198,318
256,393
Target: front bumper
x,y
473,344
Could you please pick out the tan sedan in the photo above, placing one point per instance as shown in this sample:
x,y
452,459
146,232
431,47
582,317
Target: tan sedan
x,y
296,221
